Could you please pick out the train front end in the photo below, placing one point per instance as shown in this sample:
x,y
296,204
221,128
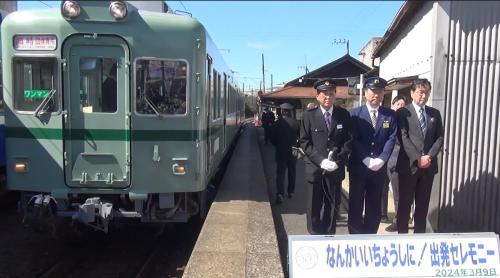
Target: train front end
x,y
104,114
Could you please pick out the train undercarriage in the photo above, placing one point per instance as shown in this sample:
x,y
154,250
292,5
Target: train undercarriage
x,y
45,213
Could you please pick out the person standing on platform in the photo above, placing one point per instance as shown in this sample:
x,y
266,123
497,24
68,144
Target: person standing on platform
x,y
267,120
374,135
284,136
392,176
421,138
325,138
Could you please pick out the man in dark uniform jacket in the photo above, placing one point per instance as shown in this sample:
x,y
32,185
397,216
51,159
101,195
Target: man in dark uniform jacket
x,y
374,131
325,137
284,135
421,139
267,120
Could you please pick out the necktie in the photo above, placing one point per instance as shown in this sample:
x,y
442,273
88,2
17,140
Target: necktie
x,y
327,120
423,123
374,118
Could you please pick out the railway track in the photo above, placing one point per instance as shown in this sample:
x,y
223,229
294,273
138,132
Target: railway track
x,y
135,253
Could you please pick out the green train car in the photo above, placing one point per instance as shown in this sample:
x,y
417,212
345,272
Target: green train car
x,y
114,112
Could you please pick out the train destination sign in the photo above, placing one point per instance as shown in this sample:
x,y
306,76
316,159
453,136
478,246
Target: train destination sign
x,y
35,42
414,255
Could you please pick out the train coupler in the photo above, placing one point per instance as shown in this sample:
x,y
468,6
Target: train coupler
x,y
94,213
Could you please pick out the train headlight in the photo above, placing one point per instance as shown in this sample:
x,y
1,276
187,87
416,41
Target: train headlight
x,y
21,167
70,9
118,10
179,166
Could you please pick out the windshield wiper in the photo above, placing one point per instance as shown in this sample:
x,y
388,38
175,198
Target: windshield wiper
x,y
41,108
150,103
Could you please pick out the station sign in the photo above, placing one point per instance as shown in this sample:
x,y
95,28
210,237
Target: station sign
x,y
412,255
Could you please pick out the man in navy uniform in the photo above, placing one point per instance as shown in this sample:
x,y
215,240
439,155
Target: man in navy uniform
x,y
421,138
284,136
325,137
374,130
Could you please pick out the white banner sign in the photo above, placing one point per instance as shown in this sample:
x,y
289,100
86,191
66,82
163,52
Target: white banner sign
x,y
415,255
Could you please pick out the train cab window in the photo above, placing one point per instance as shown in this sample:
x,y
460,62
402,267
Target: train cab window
x,y
161,87
35,85
98,92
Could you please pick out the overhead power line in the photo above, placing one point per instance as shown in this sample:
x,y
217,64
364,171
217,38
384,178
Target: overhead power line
x,y
183,6
45,4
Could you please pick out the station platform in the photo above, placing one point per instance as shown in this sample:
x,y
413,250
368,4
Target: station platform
x,y
245,233
238,238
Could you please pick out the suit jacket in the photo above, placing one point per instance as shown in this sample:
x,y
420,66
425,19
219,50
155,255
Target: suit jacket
x,y
413,142
372,142
284,135
391,163
317,141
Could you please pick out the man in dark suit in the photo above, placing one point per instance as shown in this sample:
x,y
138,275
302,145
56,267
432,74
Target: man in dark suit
x,y
398,102
374,130
325,137
421,138
284,135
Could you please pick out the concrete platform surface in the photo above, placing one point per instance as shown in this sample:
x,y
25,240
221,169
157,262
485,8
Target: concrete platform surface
x,y
238,238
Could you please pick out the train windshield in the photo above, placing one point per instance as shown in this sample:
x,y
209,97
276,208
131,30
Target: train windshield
x,y
161,87
35,81
98,85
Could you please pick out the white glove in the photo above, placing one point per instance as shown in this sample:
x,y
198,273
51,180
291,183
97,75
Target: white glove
x,y
328,165
376,164
334,165
367,161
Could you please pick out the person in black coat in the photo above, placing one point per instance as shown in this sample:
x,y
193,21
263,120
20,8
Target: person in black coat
x,y
421,138
392,178
267,120
374,135
109,92
284,135
325,138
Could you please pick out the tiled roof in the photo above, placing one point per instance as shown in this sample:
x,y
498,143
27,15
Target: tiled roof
x,y
345,66
304,92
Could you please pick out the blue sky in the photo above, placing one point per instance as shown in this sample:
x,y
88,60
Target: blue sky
x,y
286,32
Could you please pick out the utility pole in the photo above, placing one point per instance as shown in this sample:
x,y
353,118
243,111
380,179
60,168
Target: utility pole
x,y
272,82
307,69
263,76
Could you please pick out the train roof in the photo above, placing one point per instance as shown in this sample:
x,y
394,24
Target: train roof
x,y
97,12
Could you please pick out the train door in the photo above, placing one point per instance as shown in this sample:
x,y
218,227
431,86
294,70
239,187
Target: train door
x,y
96,102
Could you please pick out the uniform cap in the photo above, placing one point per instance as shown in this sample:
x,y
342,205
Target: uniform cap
x,y
375,83
286,106
324,84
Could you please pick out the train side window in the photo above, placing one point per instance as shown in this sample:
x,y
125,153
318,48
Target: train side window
x,y
221,96
98,91
35,81
161,87
214,96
